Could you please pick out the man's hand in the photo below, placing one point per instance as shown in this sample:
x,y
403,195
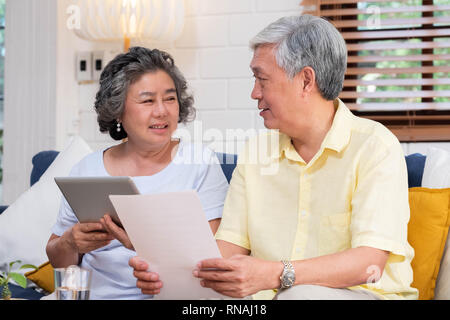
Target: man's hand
x,y
239,276
86,237
147,281
117,232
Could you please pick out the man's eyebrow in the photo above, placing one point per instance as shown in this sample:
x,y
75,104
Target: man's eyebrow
x,y
257,70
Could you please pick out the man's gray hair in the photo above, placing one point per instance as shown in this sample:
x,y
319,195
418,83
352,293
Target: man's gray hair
x,y
302,41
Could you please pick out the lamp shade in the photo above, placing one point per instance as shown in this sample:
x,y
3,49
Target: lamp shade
x,y
158,20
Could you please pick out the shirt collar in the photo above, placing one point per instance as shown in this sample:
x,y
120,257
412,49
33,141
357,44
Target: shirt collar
x,y
338,136
336,139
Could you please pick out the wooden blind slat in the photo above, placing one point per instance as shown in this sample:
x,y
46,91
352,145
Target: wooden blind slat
x,y
395,94
417,57
403,9
396,34
398,45
391,22
396,82
422,133
413,117
305,3
398,106
348,1
353,71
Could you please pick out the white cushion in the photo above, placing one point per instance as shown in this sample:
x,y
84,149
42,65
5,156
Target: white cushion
x,y
436,175
25,225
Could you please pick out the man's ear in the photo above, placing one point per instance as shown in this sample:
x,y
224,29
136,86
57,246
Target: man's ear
x,y
309,79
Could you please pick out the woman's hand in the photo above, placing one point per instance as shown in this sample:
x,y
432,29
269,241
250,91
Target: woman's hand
x,y
86,237
147,281
116,231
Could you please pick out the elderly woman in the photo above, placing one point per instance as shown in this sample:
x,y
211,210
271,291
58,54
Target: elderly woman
x,y
142,97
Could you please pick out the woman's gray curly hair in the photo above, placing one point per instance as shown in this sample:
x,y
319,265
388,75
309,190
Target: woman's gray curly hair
x,y
124,70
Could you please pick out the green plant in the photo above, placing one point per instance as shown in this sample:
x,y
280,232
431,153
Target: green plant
x,y
20,279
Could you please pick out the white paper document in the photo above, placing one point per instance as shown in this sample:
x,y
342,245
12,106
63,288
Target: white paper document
x,y
170,231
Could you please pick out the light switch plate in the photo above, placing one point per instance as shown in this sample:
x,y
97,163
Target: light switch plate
x,y
98,63
84,66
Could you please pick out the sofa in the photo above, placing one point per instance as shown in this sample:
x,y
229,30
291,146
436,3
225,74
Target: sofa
x,y
42,160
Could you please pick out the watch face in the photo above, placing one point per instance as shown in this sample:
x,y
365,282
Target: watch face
x,y
288,279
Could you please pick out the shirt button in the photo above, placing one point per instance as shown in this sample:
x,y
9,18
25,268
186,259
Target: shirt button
x,y
297,250
303,213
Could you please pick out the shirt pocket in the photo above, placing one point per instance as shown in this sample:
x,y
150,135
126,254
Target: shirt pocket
x,y
334,233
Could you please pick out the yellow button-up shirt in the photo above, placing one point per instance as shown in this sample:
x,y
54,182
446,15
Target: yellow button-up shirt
x,y
353,193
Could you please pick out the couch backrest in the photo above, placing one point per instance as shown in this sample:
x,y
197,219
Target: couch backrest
x,y
41,161
415,164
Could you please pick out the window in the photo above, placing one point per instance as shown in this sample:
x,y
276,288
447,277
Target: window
x,y
2,78
398,70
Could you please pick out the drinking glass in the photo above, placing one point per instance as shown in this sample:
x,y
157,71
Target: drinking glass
x,y
72,283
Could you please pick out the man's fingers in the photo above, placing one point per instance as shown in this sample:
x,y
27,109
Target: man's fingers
x,y
225,288
217,285
217,263
215,275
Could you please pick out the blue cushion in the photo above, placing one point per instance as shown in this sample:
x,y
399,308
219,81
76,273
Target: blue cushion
x,y
41,161
415,163
3,208
29,293
228,162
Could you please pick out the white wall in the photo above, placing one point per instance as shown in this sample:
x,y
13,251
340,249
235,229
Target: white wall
x,y
45,105
213,54
30,78
75,102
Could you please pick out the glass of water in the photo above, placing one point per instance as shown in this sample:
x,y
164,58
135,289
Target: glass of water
x,y
72,283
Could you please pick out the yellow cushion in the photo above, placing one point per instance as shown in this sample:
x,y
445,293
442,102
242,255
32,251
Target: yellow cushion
x,y
43,277
427,234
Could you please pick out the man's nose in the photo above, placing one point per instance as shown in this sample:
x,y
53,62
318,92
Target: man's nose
x,y
256,92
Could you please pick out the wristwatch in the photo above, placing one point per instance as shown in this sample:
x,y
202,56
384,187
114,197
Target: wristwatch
x,y
288,276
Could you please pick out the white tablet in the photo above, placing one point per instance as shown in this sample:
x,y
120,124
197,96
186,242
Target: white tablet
x,y
89,196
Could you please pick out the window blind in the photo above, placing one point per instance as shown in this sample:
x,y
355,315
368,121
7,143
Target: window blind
x,y
398,70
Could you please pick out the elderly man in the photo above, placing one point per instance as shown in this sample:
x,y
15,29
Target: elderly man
x,y
331,221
